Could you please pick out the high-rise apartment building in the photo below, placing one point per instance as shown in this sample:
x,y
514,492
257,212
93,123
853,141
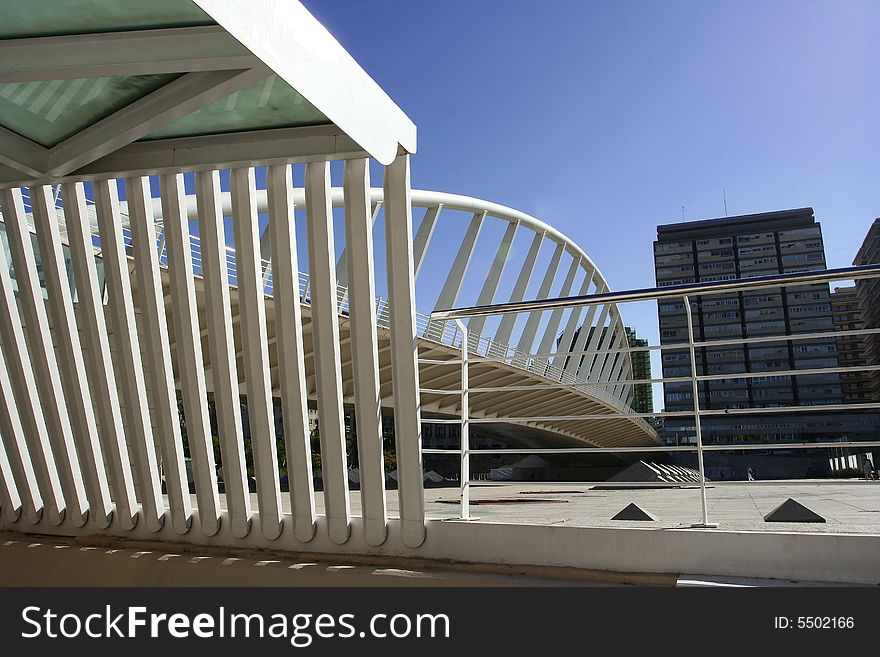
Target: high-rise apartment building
x,y
868,292
748,246
643,396
851,349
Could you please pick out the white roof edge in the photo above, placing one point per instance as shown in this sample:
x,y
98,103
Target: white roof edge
x,y
290,41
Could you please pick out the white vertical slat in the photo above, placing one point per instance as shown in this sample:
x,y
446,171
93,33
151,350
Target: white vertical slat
x,y
493,278
527,337
404,351
102,381
27,400
325,333
128,354
505,326
548,339
364,347
43,364
74,380
565,344
592,364
188,346
291,353
163,394
221,347
252,313
423,237
342,261
10,501
24,480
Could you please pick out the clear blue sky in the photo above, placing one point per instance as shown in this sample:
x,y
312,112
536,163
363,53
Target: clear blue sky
x,y
605,118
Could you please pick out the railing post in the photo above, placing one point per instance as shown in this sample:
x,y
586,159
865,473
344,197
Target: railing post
x,y
698,428
465,442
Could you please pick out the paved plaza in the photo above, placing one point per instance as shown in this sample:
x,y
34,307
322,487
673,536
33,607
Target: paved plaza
x,y
848,506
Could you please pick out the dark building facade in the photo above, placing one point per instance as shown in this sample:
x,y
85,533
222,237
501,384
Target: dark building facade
x,y
643,396
747,246
851,349
868,293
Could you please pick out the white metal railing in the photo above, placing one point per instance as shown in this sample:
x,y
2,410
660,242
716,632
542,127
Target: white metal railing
x,y
685,292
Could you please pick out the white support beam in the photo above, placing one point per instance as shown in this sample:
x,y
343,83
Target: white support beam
x,y
527,337
490,285
423,237
461,263
455,279
27,400
135,52
43,364
404,351
139,432
74,380
252,313
508,321
24,480
23,155
168,103
548,339
580,344
325,335
364,348
163,394
593,364
210,152
102,380
565,344
284,35
190,366
291,352
227,403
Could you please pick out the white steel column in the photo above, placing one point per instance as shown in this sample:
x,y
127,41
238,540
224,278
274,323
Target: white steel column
x,y
291,353
42,363
342,268
423,237
128,353
74,380
508,320
490,286
190,366
565,344
325,334
17,452
527,338
404,351
549,338
252,313
166,419
102,380
364,349
221,346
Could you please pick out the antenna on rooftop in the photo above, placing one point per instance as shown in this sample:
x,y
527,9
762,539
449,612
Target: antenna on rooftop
x,y
724,195
682,214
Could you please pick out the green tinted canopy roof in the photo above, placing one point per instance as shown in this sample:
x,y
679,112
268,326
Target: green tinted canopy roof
x,y
87,87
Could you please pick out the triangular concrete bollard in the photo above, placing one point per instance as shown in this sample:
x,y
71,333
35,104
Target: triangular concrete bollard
x,y
792,511
634,512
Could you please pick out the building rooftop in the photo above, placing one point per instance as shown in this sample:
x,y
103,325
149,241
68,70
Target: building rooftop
x,y
725,225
